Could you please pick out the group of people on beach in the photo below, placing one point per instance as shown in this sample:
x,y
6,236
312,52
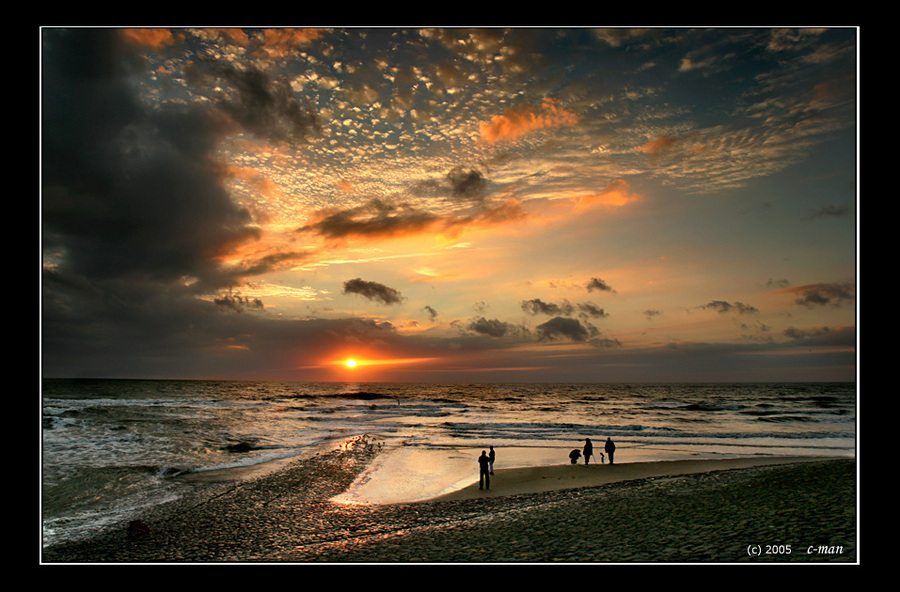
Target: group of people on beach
x,y
588,452
486,460
486,468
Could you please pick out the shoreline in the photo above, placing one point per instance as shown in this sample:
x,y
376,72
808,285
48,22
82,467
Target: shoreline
x,y
669,511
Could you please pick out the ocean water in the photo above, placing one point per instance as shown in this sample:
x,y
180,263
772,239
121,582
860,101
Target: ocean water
x,y
112,447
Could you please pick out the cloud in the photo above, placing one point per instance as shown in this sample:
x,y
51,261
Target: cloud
x,y
726,307
281,42
129,191
537,306
665,145
822,336
494,327
662,143
381,219
831,211
615,194
238,303
598,284
589,309
823,294
469,184
518,121
153,38
373,291
148,238
374,219
265,106
564,328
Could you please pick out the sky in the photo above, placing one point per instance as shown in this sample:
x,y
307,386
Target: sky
x,y
449,205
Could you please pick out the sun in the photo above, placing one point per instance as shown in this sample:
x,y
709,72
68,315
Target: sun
x,y
351,363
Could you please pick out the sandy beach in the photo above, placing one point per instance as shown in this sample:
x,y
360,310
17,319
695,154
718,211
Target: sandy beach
x,y
730,510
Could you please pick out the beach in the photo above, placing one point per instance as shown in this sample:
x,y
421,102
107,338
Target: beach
x,y
769,509
112,449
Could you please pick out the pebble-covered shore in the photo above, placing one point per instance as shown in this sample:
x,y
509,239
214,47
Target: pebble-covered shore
x,y
803,512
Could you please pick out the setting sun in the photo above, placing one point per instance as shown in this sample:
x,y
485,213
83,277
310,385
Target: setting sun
x,y
351,363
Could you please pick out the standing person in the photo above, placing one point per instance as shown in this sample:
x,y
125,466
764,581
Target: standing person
x,y
610,449
588,450
484,479
491,457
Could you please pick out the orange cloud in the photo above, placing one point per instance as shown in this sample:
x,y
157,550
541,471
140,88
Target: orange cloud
x,y
292,36
345,186
662,143
665,144
380,219
234,35
616,193
518,121
280,42
154,38
257,179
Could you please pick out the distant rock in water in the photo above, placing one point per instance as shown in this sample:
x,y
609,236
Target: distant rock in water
x,y
239,447
366,396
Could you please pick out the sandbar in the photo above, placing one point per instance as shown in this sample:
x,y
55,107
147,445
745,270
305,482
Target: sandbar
x,y
540,479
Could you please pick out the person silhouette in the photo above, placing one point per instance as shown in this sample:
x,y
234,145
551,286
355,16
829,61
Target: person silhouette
x,y
588,450
484,478
610,448
573,456
491,458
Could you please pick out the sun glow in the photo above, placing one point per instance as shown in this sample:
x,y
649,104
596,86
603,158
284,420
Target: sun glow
x,y
359,363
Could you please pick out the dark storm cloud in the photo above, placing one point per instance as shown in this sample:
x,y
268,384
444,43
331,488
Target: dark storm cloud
x,y
564,328
462,184
373,291
127,190
469,184
265,106
135,219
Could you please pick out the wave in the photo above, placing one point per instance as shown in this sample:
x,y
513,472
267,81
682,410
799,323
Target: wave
x,y
786,418
711,407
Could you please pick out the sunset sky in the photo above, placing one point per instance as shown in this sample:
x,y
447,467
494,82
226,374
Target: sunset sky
x,y
479,205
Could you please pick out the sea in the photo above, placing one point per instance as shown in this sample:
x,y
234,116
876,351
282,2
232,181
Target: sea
x,y
113,447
